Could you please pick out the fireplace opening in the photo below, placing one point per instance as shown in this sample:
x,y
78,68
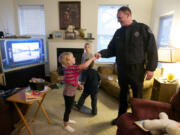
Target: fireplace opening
x,y
77,52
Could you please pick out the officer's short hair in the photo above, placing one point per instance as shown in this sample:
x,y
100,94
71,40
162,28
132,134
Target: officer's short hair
x,y
124,9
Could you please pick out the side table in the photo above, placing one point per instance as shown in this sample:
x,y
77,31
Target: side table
x,y
20,97
163,91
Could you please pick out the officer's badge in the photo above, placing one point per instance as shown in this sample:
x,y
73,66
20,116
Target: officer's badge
x,y
136,34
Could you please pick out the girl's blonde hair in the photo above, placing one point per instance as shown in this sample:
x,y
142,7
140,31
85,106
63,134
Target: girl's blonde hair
x,y
64,58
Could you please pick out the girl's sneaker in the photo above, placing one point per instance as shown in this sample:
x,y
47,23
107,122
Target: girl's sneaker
x,y
69,129
72,122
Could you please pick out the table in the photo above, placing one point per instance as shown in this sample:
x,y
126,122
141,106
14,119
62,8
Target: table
x,y
20,97
163,90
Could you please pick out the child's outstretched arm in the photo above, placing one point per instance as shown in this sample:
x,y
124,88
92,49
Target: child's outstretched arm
x,y
87,63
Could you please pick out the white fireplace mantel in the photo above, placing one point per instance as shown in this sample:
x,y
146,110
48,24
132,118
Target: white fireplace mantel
x,y
53,44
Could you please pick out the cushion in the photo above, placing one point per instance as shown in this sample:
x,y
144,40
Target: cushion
x,y
109,77
126,125
143,108
175,110
148,84
115,68
110,87
175,103
105,70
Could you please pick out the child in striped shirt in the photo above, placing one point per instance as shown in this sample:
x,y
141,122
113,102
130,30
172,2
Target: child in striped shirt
x,y
71,74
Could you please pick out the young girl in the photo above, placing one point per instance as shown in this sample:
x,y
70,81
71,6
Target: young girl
x,y
71,73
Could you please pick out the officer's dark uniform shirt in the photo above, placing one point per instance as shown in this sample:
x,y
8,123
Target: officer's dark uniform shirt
x,y
133,44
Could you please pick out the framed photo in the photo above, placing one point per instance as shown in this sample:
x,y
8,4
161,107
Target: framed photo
x,y
58,34
69,14
70,35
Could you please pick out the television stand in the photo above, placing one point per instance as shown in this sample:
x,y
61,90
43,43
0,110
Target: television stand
x,y
21,77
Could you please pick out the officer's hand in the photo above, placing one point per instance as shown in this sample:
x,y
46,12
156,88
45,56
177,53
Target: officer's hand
x,y
97,55
149,75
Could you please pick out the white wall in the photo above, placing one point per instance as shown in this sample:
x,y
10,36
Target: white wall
x,y
141,9
163,7
7,16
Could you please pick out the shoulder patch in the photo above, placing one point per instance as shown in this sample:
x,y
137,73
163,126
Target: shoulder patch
x,y
136,34
149,30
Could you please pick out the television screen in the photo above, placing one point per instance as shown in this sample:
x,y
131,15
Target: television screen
x,y
25,51
21,52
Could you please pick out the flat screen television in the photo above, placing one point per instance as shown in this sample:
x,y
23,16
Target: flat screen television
x,y
21,52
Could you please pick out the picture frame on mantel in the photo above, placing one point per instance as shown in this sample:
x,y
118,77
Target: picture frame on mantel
x,y
70,35
69,14
58,34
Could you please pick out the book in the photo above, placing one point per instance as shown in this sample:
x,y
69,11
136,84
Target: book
x,y
30,95
140,125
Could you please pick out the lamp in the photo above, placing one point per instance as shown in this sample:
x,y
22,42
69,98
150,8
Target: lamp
x,y
169,58
169,55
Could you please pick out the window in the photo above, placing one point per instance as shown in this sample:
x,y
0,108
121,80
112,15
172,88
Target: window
x,y
164,30
107,25
31,20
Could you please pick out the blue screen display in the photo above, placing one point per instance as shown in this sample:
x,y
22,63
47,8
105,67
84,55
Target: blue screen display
x,y
18,53
28,51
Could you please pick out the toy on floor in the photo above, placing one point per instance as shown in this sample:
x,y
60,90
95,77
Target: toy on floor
x,y
164,124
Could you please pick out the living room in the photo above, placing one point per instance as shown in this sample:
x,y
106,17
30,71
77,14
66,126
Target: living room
x,y
148,12
145,12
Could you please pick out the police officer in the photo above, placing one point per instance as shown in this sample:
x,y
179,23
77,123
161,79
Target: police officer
x,y
135,50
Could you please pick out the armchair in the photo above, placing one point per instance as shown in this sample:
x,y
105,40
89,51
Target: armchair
x,y
146,109
110,84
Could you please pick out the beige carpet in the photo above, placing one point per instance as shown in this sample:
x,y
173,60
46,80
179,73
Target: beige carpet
x,y
86,124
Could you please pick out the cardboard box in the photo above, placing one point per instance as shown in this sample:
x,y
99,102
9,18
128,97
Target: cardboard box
x,y
55,77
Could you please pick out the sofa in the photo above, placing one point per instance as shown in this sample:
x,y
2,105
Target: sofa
x,y
109,81
146,109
